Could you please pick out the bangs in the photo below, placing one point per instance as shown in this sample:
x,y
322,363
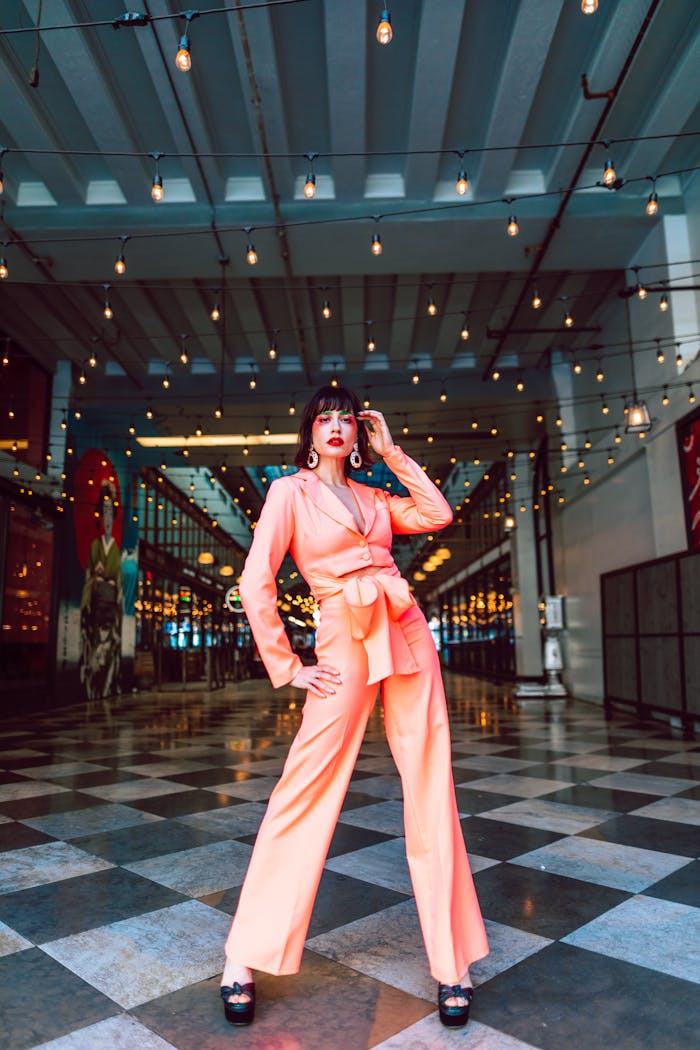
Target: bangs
x,y
336,402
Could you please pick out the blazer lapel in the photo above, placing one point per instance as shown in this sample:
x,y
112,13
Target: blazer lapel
x,y
323,498
364,495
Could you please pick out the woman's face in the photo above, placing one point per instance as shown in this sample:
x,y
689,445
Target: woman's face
x,y
334,433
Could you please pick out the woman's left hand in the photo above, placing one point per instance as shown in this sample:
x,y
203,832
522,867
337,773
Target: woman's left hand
x,y
378,433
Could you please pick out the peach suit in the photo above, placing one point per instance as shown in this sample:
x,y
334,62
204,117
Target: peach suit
x,y
372,631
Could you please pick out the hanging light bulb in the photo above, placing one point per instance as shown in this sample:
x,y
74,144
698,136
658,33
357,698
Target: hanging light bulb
x,y
568,320
82,378
292,407
149,412
198,430
157,184
166,382
638,419
652,204
310,184
64,421
432,308
215,312
92,359
589,7
371,345
679,357
536,300
253,382
660,356
6,354
415,378
272,351
578,367
600,375
641,291
495,375
218,411
443,395
618,436
604,406
665,399
663,303
609,174
107,310
384,32
326,310
183,58
184,356
250,254
266,428
376,245
587,442
120,262
462,184
691,395
520,385
366,401
4,269
464,334
512,228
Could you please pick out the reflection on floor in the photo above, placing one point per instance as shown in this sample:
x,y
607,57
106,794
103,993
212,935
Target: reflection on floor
x,y
126,830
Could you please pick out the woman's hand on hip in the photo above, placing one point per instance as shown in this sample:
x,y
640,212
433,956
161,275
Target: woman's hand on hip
x,y
378,433
320,679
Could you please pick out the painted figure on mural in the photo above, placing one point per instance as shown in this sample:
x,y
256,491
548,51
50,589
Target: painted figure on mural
x,y
101,606
372,637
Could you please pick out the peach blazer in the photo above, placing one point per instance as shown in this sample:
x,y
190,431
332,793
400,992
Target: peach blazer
x,y
303,516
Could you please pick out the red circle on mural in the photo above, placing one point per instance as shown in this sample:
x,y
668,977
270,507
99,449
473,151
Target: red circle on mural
x,y
94,474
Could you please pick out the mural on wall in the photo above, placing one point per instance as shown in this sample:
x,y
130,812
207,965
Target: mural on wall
x,y
98,536
689,449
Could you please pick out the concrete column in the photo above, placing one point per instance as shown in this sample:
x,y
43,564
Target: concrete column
x,y
526,623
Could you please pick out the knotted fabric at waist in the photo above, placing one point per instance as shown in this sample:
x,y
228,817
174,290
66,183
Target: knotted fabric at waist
x,y
374,605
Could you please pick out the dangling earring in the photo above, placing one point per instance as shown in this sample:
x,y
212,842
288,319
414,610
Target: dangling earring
x,y
312,458
355,458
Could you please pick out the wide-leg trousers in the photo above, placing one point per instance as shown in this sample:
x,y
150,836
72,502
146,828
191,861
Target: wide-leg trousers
x,y
272,919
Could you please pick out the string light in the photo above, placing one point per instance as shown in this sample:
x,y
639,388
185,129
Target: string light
x,y
443,395
609,174
520,385
251,255
292,407
149,412
253,381
679,356
652,207
589,7
604,408
166,382
184,356
376,245
600,374
691,395
107,310
578,367
384,32
665,398
641,291
432,308
568,320
215,313
310,184
6,353
587,442
326,310
462,184
266,428
371,345
663,303
272,351
4,269
132,429
415,378
183,58
157,192
120,262
64,422
512,229
495,375
218,411
3,151
464,334
536,300
82,378
92,359
660,355
366,401
198,430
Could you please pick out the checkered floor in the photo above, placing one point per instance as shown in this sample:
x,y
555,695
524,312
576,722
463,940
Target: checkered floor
x,y
126,830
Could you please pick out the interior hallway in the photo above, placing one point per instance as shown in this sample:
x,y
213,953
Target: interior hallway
x,y
126,829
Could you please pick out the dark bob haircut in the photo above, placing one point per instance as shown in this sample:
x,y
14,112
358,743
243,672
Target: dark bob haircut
x,y
331,399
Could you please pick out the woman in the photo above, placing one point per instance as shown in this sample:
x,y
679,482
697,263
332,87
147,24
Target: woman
x,y
371,632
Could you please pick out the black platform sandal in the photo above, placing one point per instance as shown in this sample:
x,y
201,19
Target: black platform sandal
x,y
454,1016
239,1013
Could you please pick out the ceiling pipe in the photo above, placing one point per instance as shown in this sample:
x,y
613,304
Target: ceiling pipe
x,y
555,223
282,240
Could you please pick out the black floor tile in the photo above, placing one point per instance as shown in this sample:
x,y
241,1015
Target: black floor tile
x,y
212,775
40,1000
139,842
665,836
501,841
59,909
682,770
471,800
682,886
356,799
182,803
601,798
539,901
42,805
18,836
564,997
